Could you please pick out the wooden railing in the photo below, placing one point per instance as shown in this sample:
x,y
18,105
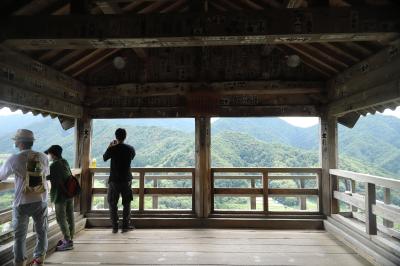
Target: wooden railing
x,y
154,175
264,176
363,205
6,214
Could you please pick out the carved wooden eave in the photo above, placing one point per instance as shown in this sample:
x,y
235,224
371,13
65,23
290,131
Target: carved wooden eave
x,y
370,86
29,84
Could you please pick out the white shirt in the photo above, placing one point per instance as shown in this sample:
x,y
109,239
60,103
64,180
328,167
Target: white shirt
x,y
16,165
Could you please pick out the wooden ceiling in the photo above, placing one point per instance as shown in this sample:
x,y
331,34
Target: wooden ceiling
x,y
232,70
320,61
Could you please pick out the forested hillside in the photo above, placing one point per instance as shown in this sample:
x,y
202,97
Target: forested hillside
x,y
372,146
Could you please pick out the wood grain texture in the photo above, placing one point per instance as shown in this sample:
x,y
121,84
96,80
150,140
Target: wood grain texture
x,y
207,247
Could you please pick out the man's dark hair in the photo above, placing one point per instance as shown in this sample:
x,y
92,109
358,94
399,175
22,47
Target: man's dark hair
x,y
27,144
120,134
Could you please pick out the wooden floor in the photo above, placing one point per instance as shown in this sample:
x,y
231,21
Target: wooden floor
x,y
206,247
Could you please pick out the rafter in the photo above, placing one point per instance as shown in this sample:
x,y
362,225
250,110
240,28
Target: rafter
x,y
163,30
230,4
86,67
173,7
319,62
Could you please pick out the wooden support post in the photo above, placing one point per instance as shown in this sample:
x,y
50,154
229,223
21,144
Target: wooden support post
x,y
154,199
203,167
303,199
387,200
265,192
353,191
370,200
83,135
253,198
329,158
141,191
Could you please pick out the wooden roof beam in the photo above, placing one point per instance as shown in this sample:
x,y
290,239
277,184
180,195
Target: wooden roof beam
x,y
372,82
177,30
276,87
223,111
113,8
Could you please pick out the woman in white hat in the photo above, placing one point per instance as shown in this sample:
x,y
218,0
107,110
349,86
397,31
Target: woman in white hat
x,y
30,200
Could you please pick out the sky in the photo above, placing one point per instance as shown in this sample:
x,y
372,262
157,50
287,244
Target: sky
x,y
295,121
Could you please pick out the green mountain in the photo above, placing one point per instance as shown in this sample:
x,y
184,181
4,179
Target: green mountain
x,y
372,146
270,130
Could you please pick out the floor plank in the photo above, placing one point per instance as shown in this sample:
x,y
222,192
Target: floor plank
x,y
207,247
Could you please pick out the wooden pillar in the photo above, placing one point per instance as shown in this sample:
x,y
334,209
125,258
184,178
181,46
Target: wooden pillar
x,y
329,160
83,139
203,166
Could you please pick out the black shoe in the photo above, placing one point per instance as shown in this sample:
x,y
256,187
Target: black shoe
x,y
127,228
115,230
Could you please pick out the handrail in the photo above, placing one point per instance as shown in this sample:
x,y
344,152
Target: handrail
x,y
368,203
267,169
377,180
148,169
76,171
5,215
7,185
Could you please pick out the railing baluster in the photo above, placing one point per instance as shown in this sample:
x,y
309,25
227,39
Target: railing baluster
x,y
106,206
386,200
141,191
253,199
370,200
155,197
353,191
265,191
303,199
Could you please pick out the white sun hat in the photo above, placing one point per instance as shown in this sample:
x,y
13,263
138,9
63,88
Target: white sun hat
x,y
23,135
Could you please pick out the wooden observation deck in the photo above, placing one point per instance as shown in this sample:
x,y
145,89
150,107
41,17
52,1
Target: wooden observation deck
x,y
79,60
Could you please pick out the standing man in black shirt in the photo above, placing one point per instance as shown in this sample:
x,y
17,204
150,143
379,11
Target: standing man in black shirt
x,y
120,181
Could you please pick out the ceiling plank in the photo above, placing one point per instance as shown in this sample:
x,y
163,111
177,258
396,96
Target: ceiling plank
x,y
176,30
